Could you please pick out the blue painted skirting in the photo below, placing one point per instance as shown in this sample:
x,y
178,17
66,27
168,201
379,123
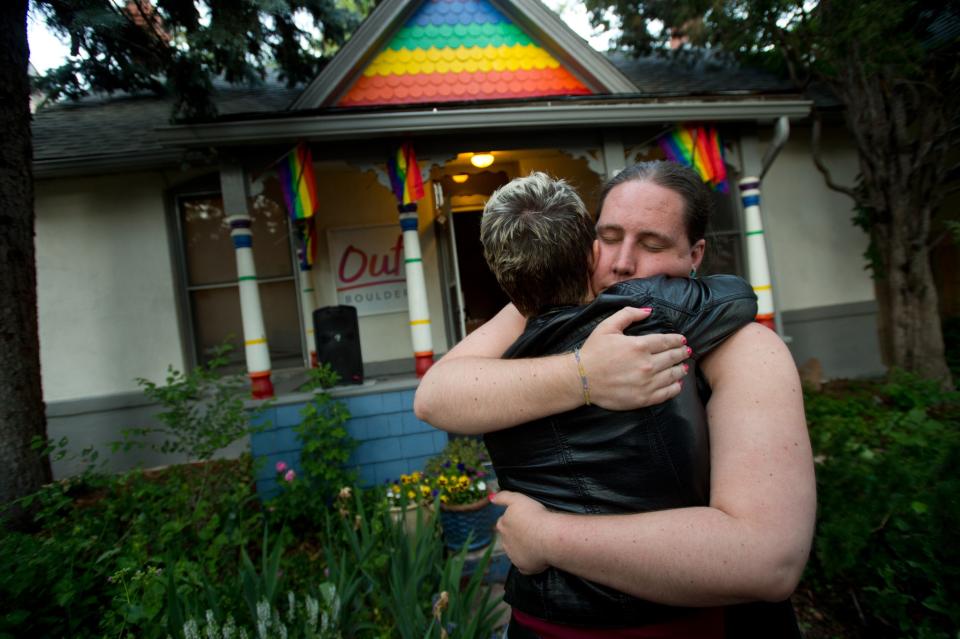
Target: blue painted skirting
x,y
391,440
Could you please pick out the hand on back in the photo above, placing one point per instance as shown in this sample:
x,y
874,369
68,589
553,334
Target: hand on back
x,y
627,372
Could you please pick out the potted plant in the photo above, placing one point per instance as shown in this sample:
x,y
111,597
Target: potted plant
x,y
457,475
407,496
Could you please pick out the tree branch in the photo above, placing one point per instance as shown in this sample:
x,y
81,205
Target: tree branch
x,y
818,161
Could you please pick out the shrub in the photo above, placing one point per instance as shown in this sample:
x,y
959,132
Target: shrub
x,y
202,411
93,563
308,491
887,455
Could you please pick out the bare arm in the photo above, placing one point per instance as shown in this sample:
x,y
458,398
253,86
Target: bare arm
x,y
750,544
471,391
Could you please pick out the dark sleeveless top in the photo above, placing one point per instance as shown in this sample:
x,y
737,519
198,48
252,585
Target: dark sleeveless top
x,y
594,461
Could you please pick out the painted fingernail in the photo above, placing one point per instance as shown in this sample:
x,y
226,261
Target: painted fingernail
x,y
683,340
686,368
689,352
647,309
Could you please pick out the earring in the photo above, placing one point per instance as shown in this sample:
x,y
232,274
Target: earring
x,y
693,273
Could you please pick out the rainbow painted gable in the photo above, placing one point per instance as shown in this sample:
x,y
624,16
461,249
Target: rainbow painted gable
x,y
458,50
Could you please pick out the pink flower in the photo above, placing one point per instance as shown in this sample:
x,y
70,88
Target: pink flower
x,y
281,466
290,476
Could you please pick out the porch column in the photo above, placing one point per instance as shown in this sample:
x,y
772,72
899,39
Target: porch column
x,y
233,184
416,290
757,251
613,156
307,304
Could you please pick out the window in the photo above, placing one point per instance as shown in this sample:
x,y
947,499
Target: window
x,y
210,272
724,235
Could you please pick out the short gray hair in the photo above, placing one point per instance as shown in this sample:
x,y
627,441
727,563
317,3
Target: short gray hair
x,y
537,236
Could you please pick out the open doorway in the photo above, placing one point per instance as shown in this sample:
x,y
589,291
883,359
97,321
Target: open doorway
x,y
482,296
472,293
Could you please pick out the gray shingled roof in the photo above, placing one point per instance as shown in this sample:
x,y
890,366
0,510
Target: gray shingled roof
x,y
72,135
663,77
96,127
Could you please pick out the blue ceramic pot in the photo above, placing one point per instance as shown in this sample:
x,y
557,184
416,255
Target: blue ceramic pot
x,y
459,521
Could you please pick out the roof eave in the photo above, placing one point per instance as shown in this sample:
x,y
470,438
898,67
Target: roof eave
x,y
589,65
368,125
366,41
592,67
81,166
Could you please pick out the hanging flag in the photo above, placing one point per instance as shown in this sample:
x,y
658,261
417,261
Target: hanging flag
x,y
298,183
310,243
405,175
698,147
305,235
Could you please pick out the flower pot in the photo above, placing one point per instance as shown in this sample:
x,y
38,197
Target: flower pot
x,y
408,516
459,520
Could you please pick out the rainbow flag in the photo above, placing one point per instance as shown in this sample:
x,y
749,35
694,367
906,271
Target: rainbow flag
x,y
298,183
698,147
405,175
307,236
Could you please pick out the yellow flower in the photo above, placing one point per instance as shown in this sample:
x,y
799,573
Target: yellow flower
x,y
424,489
464,480
442,480
405,479
396,489
411,494
415,477
444,499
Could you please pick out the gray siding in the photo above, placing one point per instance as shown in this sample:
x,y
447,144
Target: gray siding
x,y
843,337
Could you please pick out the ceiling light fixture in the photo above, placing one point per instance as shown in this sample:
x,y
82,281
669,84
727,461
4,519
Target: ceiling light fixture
x,y
460,178
481,160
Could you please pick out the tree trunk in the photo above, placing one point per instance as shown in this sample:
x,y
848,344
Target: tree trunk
x,y
22,417
898,129
908,301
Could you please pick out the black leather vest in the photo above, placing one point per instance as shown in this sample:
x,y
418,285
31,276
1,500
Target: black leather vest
x,y
594,461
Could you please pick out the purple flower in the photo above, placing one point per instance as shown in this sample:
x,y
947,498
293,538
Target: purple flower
x,y
461,467
281,466
290,476
446,464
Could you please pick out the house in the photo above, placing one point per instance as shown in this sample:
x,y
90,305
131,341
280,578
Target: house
x,y
137,270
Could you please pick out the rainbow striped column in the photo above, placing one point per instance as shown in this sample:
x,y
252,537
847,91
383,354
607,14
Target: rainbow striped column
x,y
254,335
757,251
416,290
306,307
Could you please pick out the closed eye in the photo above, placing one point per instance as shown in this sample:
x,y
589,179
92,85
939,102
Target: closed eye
x,y
610,237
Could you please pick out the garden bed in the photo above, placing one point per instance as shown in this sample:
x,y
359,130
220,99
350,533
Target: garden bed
x,y
140,554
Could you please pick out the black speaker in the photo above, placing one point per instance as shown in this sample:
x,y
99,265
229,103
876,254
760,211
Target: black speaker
x,y
337,334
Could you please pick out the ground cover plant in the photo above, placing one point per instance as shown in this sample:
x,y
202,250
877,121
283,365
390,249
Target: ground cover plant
x,y
884,561
191,550
149,555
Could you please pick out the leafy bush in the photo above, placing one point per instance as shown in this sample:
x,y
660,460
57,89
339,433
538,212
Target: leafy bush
x,y
202,411
885,549
182,553
326,446
93,564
